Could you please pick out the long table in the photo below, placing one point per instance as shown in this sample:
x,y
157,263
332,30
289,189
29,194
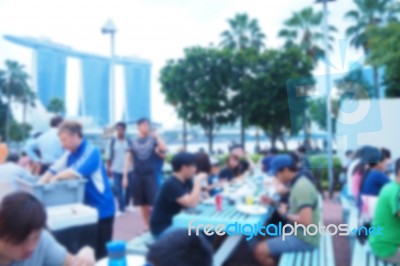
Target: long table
x,y
207,214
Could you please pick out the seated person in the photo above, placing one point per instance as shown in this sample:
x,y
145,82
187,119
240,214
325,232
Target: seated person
x,y
10,168
387,216
177,248
24,241
237,166
303,209
376,177
266,161
213,180
180,191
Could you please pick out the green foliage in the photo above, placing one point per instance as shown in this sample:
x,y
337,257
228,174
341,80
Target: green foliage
x,y
197,86
319,166
19,131
384,51
56,106
304,29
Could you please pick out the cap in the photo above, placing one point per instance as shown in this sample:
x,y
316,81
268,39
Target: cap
x,y
279,162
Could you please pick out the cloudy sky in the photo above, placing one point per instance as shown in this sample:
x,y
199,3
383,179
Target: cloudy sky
x,y
156,30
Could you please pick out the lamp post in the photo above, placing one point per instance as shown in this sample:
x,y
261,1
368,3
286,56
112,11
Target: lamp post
x,y
328,89
109,28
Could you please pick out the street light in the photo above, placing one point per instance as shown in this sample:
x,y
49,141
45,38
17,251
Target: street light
x,y
109,28
328,87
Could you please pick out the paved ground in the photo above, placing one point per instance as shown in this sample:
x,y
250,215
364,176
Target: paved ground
x,y
130,225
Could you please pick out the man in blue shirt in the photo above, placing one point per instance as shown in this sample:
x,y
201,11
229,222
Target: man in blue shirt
x,y
82,160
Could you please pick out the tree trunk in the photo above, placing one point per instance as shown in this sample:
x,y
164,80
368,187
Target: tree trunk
x,y
7,133
376,82
273,141
283,141
184,134
210,139
242,132
258,148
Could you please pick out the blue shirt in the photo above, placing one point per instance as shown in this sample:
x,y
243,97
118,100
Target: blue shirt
x,y
374,182
49,146
87,163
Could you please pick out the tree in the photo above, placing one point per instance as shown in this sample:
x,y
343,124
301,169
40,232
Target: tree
x,y
244,37
197,87
383,52
243,33
272,107
56,106
304,29
369,13
14,87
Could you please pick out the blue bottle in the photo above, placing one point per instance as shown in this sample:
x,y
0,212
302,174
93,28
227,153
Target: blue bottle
x,y
117,253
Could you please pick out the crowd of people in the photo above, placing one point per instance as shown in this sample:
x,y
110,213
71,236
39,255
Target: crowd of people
x,y
135,168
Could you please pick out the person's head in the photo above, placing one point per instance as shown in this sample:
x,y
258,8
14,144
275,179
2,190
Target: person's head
x,y
184,165
233,161
349,154
284,168
378,159
397,169
70,133
143,125
120,127
203,163
56,121
237,150
301,150
3,152
177,248
22,219
13,158
215,166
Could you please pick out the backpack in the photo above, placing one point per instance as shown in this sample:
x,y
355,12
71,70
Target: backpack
x,y
112,144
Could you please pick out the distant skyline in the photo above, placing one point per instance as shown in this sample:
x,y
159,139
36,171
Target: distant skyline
x,y
156,30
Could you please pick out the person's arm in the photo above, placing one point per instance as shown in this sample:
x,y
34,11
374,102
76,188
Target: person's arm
x,y
56,168
161,146
64,175
84,257
30,148
127,166
303,217
194,198
108,157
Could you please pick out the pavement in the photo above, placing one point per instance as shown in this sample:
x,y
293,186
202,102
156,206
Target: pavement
x,y
130,225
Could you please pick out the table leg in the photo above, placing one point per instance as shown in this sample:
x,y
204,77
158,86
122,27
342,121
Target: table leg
x,y
226,249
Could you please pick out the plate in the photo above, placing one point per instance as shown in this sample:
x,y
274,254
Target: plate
x,y
251,209
209,201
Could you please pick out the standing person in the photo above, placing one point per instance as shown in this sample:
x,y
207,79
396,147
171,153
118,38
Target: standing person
x,y
144,151
115,155
24,240
386,242
303,159
82,160
48,145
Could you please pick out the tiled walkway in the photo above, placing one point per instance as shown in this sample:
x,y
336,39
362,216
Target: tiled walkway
x,y
130,225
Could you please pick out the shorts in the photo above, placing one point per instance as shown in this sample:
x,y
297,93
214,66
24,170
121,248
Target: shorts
x,y
145,187
277,246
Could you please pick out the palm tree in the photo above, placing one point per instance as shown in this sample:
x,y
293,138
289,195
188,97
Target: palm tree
x,y
369,13
304,29
14,86
244,34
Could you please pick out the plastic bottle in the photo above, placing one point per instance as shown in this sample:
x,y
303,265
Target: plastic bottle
x,y
117,253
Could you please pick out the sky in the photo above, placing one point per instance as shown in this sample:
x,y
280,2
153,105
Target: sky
x,y
156,30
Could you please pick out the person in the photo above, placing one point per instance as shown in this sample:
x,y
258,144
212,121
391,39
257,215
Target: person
x,y
48,145
24,241
181,190
177,248
375,178
10,168
386,244
303,159
303,209
82,160
237,166
24,161
143,153
213,179
115,158
266,161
